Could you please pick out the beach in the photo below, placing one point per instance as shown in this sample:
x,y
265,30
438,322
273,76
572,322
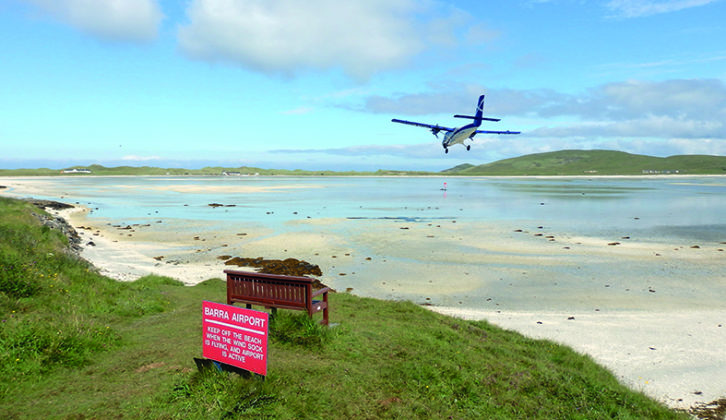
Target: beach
x,y
633,305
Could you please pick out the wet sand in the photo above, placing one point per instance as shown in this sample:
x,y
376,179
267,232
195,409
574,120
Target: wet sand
x,y
651,312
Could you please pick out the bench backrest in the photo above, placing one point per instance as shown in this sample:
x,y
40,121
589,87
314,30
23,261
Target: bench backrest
x,y
269,289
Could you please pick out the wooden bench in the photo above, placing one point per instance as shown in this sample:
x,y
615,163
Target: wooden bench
x,y
275,291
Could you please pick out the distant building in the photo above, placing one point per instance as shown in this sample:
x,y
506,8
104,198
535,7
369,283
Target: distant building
x,y
657,172
76,171
229,173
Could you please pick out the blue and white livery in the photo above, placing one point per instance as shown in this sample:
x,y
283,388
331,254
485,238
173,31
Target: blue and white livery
x,y
457,135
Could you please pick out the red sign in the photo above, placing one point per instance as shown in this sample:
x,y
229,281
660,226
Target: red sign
x,y
235,336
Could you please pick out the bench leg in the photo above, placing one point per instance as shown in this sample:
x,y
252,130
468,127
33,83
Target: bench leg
x,y
325,310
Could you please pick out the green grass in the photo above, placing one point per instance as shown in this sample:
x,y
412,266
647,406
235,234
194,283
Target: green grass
x,y
99,170
75,344
56,311
597,162
563,162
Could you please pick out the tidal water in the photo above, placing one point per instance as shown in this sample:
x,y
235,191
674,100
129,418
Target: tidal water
x,y
479,243
691,209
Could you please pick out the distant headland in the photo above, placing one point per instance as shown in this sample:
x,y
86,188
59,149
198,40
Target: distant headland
x,y
559,163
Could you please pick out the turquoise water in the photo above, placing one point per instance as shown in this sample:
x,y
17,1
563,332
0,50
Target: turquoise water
x,y
408,238
653,209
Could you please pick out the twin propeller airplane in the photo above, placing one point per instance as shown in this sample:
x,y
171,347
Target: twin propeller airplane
x,y
460,134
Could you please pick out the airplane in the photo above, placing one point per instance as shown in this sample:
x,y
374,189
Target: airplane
x,y
459,134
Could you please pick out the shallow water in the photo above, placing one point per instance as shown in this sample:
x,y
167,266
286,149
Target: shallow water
x,y
690,208
450,240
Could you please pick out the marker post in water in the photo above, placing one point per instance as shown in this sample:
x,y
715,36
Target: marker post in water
x,y
235,336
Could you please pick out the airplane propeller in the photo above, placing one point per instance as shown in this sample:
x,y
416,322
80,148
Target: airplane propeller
x,y
435,131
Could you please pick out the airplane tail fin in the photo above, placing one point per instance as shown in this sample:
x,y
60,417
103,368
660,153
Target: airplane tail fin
x,y
479,111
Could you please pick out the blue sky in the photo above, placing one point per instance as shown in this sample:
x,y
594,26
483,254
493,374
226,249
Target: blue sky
x,y
314,84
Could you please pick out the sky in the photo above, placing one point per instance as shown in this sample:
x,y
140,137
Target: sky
x,y
314,84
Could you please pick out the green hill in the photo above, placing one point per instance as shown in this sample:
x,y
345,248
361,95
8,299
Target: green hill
x,y
458,168
599,162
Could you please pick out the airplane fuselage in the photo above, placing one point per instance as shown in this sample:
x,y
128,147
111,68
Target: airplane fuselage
x,y
459,135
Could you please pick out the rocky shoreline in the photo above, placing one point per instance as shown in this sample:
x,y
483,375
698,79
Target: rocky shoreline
x,y
57,222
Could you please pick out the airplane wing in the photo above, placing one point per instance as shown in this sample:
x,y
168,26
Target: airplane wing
x,y
498,132
473,118
433,127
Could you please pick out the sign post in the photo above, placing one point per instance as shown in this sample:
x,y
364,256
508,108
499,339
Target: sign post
x,y
235,336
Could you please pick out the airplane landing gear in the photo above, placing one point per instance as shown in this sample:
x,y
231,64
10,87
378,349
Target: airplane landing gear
x,y
446,150
468,147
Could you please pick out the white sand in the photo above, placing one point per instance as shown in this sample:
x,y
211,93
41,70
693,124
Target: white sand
x,y
126,260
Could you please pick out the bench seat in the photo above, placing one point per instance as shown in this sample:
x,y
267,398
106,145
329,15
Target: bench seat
x,y
276,291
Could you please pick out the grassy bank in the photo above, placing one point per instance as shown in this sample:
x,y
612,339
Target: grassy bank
x,y
74,344
597,162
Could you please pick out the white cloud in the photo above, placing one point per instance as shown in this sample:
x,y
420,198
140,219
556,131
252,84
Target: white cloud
x,y
692,109
640,8
420,103
120,20
651,127
458,99
361,37
698,147
691,97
